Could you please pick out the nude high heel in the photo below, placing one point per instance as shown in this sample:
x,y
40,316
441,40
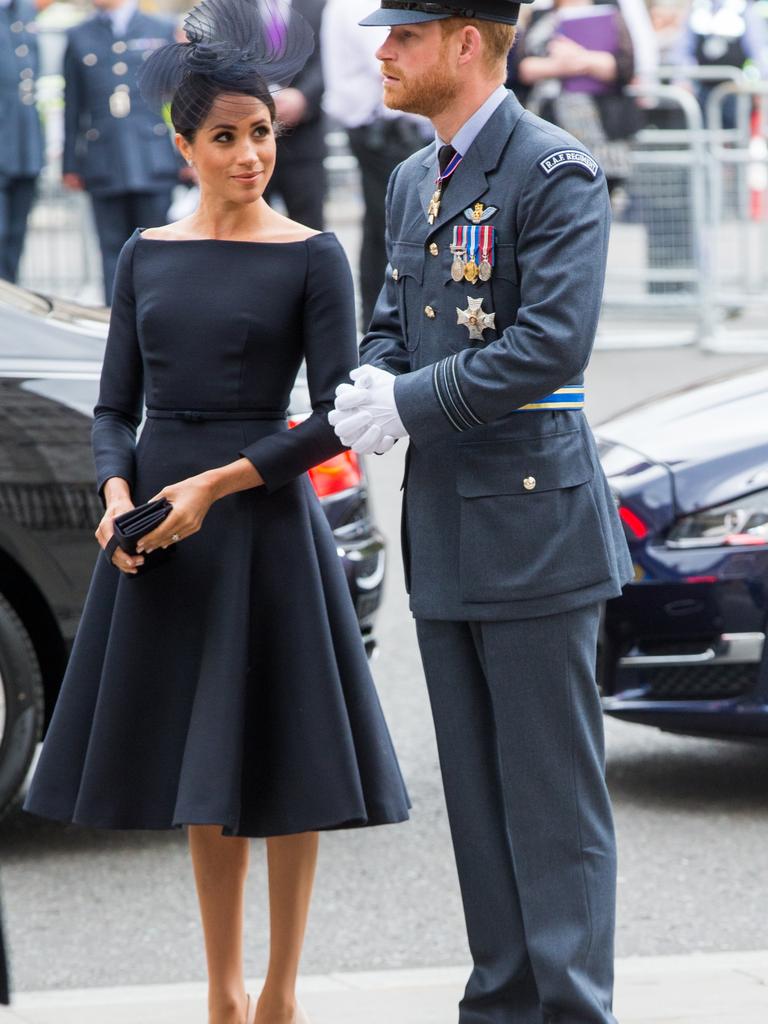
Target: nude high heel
x,y
301,1017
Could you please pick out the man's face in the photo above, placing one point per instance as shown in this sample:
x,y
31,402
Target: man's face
x,y
419,74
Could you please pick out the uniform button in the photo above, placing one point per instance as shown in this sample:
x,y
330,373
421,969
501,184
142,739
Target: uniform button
x,y
90,59
26,85
120,68
119,46
92,134
160,128
395,274
434,249
430,313
530,483
17,26
27,73
28,99
22,51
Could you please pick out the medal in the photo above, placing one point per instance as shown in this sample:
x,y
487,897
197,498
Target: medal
x,y
475,320
433,210
471,271
459,250
487,240
434,204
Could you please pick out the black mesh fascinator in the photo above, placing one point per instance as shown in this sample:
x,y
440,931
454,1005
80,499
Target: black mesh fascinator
x,y
249,47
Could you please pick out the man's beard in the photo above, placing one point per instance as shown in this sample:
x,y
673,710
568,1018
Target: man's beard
x,y
429,94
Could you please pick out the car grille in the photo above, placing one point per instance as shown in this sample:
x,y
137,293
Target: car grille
x,y
684,682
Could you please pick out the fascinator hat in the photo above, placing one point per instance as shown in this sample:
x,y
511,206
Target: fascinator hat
x,y
234,47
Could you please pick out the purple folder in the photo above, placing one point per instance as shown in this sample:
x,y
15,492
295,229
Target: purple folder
x,y
596,28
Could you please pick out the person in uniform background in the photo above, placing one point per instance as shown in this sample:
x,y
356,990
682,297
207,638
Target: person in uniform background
x,y
379,138
497,246
114,146
21,145
299,178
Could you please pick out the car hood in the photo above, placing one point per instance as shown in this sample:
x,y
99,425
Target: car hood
x,y
712,438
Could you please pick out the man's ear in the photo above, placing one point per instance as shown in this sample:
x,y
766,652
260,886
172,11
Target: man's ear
x,y
471,44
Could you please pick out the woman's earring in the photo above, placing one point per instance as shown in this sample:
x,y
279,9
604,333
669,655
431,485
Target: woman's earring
x,y
189,162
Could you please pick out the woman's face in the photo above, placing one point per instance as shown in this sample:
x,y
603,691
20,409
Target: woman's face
x,y
234,149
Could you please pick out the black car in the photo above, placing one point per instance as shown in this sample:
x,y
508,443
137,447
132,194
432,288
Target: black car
x,y
50,361
684,647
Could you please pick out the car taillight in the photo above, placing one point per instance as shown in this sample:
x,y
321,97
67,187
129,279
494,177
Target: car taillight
x,y
341,473
633,524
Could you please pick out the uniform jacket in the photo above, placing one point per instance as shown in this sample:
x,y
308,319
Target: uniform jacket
x,y
21,150
507,514
111,137
306,140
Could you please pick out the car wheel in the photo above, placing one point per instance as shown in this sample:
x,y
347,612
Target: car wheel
x,y
22,705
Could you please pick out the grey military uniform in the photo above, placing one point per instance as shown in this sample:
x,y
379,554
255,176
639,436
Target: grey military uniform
x,y
511,541
121,149
21,151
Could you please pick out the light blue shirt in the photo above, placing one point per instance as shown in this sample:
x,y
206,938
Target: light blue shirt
x,y
121,17
469,131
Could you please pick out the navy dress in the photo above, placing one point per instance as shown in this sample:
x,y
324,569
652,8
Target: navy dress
x,y
228,685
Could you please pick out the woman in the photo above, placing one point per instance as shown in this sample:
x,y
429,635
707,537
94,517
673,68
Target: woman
x,y
227,689
579,58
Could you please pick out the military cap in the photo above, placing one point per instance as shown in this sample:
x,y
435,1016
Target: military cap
x,y
412,12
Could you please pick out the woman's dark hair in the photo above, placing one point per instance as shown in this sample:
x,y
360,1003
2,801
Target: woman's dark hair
x,y
235,47
197,93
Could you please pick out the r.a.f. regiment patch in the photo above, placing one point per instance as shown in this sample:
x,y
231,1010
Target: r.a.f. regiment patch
x,y
566,157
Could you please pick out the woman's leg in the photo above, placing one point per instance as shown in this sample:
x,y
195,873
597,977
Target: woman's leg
x,y
291,861
221,865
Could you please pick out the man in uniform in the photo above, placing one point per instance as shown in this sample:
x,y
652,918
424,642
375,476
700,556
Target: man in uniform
x,y
497,242
21,138
114,146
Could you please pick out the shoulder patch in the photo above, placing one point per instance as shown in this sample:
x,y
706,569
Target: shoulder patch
x,y
565,157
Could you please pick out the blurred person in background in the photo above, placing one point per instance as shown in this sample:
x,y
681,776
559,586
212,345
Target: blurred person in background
x,y
580,61
114,146
5,994
299,178
723,33
379,138
21,150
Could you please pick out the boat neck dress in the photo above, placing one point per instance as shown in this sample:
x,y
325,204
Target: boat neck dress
x,y
228,685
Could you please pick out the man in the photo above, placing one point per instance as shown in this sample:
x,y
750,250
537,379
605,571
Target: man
x,y
21,145
114,146
299,177
379,138
497,242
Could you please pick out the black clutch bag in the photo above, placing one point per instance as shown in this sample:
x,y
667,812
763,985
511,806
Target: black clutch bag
x,y
136,523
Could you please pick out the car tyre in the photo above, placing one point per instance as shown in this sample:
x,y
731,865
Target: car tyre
x,y
22,705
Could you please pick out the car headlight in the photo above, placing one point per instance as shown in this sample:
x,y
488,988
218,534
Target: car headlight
x,y
739,523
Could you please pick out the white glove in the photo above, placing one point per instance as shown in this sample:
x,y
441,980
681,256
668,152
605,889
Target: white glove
x,y
366,417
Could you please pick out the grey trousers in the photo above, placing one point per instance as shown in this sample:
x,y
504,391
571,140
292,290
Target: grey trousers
x,y
520,737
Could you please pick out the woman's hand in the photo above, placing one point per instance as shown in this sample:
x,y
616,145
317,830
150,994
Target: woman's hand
x,y
570,59
128,564
191,500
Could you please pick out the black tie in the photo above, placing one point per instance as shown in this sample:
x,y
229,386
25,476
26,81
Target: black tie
x,y
444,157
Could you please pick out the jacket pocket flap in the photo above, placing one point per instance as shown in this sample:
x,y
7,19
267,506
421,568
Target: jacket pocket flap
x,y
524,466
407,261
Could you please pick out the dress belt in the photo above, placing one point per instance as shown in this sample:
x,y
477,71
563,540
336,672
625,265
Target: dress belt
x,y
201,415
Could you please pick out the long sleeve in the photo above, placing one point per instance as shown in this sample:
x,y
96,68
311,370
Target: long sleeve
x,y
121,395
562,243
384,345
70,163
330,351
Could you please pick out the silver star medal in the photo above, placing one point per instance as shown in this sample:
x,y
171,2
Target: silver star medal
x,y
475,319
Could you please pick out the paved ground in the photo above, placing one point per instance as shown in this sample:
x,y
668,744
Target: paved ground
x,y
715,989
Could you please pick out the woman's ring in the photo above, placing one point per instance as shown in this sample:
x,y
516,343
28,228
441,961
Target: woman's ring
x,y
175,538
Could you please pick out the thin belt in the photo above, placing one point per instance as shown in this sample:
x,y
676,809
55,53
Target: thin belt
x,y
201,415
569,397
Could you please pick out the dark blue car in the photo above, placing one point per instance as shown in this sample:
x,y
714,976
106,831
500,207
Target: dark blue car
x,y
684,647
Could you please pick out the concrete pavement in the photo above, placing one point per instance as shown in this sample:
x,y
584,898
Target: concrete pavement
x,y
718,988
